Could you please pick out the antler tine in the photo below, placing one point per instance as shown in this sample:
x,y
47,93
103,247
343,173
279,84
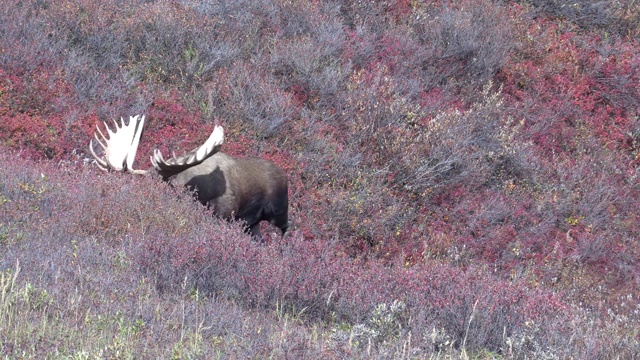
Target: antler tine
x,y
101,163
135,141
104,139
102,167
157,158
183,160
111,133
215,139
104,147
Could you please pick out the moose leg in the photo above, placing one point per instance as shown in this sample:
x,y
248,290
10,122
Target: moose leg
x,y
254,230
282,222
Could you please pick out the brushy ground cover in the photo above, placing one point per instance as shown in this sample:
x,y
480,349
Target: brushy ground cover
x,y
463,178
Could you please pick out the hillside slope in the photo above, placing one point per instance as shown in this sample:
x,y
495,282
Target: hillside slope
x,y
463,174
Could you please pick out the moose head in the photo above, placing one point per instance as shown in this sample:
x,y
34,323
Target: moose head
x,y
246,189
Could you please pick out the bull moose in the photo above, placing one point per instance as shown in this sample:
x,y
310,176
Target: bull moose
x,y
246,189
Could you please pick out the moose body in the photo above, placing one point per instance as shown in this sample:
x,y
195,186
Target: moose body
x,y
246,189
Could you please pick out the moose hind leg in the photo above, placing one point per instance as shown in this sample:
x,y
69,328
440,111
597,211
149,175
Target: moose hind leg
x,y
282,222
254,230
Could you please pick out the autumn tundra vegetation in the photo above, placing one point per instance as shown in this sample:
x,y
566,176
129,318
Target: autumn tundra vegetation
x,y
462,179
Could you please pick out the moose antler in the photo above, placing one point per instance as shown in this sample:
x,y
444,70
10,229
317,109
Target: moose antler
x,y
120,146
177,164
248,189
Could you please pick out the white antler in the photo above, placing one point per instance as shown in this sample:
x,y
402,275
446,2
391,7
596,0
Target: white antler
x,y
193,157
120,146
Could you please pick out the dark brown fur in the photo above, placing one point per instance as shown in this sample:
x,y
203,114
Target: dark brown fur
x,y
247,189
